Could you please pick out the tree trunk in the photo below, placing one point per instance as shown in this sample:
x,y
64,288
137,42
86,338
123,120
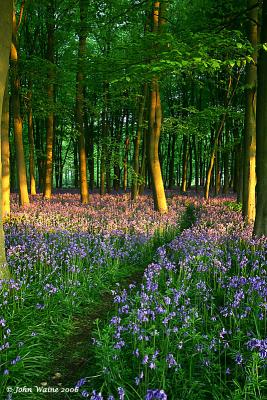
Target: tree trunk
x,y
134,193
249,173
5,155
184,165
226,163
197,163
213,155
5,40
80,103
21,166
155,116
48,183
260,226
31,146
126,151
171,164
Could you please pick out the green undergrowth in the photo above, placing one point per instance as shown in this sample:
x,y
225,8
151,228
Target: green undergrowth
x,y
233,205
41,337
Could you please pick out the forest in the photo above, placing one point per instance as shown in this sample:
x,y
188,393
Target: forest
x,y
133,199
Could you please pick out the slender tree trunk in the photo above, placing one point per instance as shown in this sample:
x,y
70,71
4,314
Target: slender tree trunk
x,y
249,173
171,164
126,151
240,176
31,146
260,226
213,156
5,155
226,163
197,156
80,103
21,166
184,165
48,183
134,193
190,156
5,40
76,164
40,153
143,171
217,174
155,116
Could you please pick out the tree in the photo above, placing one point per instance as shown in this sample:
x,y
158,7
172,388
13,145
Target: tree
x,y
5,153
18,122
249,173
260,226
5,42
80,103
48,184
155,116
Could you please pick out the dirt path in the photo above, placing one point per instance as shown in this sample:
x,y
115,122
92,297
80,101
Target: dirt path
x,y
76,359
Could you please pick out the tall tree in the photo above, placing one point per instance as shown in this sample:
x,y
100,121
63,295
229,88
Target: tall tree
x,y
31,144
5,153
80,102
48,183
21,166
5,41
155,117
260,226
249,173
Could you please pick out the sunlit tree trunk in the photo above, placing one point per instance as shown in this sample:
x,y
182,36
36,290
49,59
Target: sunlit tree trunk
x,y
184,165
80,103
260,226
48,182
249,172
5,40
21,166
155,117
5,150
31,146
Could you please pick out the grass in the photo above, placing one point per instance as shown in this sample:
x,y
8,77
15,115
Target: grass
x,y
40,333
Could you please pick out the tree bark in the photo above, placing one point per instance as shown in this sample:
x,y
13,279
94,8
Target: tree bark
x,y
260,226
5,41
5,150
48,182
80,104
31,146
155,117
184,165
249,173
21,166
134,192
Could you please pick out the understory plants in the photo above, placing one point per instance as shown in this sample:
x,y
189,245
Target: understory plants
x,y
196,327
62,256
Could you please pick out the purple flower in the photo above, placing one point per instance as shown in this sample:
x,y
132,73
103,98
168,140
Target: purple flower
x,y
121,393
239,359
171,361
145,359
80,383
95,396
155,394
